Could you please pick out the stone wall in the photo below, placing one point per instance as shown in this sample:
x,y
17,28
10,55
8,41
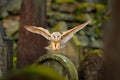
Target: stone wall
x,y
9,6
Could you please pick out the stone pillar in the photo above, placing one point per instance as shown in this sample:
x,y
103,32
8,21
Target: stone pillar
x,y
6,52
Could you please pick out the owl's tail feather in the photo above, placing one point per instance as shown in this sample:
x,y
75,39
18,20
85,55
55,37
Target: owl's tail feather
x,y
50,47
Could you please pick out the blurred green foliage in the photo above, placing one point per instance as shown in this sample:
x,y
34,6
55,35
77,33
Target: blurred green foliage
x,y
65,1
34,73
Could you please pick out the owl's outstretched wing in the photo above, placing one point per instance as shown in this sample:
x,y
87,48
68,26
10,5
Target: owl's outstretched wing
x,y
67,35
39,30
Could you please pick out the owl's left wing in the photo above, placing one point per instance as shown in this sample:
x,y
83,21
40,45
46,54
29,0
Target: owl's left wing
x,y
39,30
67,35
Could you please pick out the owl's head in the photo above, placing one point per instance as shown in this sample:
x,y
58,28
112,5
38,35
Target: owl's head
x,y
55,36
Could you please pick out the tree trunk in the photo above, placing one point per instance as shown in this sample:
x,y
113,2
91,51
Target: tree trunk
x,y
112,44
31,46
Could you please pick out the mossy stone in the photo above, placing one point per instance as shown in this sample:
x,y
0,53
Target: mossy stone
x,y
60,63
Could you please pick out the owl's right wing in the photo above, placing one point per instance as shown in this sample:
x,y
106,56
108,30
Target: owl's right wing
x,y
39,30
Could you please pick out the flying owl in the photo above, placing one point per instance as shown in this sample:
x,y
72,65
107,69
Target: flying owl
x,y
57,39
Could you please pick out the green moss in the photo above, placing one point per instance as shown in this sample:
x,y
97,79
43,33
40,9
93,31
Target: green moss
x,y
65,1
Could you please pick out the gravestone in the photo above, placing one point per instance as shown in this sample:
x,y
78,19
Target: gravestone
x,y
60,64
6,52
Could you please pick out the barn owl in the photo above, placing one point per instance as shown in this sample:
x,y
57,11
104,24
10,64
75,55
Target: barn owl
x,y
57,39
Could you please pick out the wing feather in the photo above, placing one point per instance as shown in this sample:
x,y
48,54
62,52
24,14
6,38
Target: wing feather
x,y
39,30
67,35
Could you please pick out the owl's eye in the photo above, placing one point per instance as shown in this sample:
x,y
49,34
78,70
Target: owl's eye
x,y
58,36
54,36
